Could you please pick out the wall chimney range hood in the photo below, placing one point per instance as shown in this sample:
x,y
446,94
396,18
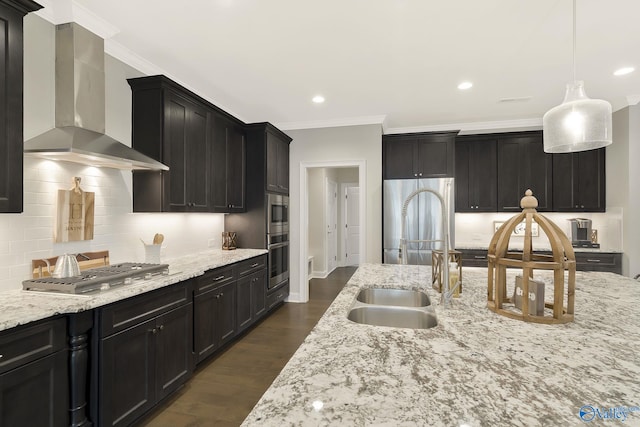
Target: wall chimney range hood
x,y
79,135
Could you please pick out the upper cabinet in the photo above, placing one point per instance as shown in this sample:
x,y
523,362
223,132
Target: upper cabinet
x,y
418,155
277,162
11,136
192,137
476,178
228,171
268,154
523,164
579,181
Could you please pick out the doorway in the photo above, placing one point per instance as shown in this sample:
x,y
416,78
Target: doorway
x,y
314,249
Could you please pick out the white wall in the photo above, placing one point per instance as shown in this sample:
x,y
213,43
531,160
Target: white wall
x,y
353,143
29,235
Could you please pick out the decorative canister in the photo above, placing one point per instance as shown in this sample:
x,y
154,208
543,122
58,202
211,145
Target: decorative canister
x,y
229,240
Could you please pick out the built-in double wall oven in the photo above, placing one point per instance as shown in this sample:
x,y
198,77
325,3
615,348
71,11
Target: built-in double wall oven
x,y
278,238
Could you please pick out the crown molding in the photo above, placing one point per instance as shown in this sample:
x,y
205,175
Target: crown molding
x,y
316,124
633,99
63,11
475,127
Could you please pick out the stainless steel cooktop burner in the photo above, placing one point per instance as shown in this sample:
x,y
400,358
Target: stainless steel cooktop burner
x,y
100,278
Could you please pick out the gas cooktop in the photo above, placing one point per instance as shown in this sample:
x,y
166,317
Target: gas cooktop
x,y
97,279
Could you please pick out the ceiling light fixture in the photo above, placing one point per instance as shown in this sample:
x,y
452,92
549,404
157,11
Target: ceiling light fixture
x,y
624,71
465,85
579,123
318,99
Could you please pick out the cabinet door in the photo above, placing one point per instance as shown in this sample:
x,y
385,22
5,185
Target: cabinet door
x,y
36,394
197,164
272,163
11,132
258,294
283,167
398,159
476,176
227,314
219,138
205,314
174,361
235,161
433,156
579,181
185,149
243,297
127,374
522,165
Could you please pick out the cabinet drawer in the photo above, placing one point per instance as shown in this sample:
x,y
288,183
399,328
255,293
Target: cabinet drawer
x,y
214,278
590,261
124,314
252,265
473,257
277,296
24,344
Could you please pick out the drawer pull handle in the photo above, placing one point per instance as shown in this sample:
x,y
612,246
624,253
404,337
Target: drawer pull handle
x,y
153,331
255,264
593,260
480,257
219,278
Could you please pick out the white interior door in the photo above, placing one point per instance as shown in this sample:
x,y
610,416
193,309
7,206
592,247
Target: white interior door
x,y
352,225
332,225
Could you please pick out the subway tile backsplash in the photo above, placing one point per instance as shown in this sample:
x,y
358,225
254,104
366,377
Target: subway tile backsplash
x,y
29,235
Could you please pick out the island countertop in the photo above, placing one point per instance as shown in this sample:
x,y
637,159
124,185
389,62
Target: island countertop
x,y
18,307
475,368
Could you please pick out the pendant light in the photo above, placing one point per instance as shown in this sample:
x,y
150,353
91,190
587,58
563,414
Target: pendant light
x,y
579,123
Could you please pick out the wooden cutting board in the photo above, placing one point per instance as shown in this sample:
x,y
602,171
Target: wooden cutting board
x,y
74,215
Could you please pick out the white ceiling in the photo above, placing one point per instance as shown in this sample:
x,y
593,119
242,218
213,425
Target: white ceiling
x,y
396,62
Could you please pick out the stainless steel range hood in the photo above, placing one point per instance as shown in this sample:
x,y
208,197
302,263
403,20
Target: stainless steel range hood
x,y
80,108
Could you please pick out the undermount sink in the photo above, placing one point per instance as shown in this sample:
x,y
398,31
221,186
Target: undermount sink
x,y
394,297
396,317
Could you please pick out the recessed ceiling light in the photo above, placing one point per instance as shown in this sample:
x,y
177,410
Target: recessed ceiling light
x,y
465,85
623,71
318,99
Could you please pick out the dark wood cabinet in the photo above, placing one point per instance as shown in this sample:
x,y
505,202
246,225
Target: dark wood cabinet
x,y
34,380
252,291
473,257
476,178
144,352
276,296
228,180
522,165
418,155
171,126
11,108
214,307
579,181
277,179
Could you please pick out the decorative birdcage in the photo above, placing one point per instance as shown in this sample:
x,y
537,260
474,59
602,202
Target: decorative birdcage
x,y
525,303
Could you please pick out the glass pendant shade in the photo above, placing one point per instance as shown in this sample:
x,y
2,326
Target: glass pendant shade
x,y
578,124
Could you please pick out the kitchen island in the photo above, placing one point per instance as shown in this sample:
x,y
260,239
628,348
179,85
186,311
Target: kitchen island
x,y
475,368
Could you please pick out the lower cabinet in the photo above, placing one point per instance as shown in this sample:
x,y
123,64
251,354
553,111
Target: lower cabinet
x,y
252,291
214,319
144,352
34,381
585,261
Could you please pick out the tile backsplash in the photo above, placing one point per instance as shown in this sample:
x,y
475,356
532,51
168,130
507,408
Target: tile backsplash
x,y
475,230
29,235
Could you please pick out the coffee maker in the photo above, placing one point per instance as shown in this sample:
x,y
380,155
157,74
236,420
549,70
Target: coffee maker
x,y
581,233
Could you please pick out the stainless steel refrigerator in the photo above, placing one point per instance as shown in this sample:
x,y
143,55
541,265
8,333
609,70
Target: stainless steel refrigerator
x,y
423,221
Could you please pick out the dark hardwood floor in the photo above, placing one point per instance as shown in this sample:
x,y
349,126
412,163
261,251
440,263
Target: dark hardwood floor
x,y
224,389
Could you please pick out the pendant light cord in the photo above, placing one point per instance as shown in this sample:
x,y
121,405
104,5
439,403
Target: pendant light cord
x,y
574,41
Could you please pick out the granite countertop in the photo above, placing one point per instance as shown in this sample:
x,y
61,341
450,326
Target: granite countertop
x,y
475,368
18,307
